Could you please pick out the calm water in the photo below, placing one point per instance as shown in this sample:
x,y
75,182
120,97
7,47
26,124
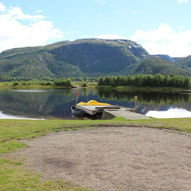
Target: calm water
x,y
56,103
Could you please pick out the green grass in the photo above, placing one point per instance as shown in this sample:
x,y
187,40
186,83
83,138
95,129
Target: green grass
x,y
14,177
31,85
40,85
10,146
181,125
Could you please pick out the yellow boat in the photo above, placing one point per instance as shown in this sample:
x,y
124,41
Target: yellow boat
x,y
92,103
80,113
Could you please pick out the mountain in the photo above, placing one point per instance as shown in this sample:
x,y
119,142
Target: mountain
x,y
34,63
71,58
185,63
95,56
155,66
85,57
166,57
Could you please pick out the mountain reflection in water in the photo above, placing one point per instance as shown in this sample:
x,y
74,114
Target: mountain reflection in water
x,y
57,103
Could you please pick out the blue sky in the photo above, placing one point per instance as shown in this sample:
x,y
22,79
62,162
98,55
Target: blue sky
x,y
162,27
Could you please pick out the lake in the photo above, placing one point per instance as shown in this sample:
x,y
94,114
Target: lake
x,y
57,103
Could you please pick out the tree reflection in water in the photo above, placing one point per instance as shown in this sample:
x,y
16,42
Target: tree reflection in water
x,y
57,103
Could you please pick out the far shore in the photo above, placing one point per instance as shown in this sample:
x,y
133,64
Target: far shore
x,y
50,85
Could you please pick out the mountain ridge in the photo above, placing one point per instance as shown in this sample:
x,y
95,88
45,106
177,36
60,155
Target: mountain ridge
x,y
85,57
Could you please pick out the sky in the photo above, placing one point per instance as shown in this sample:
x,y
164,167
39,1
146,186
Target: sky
x,y
161,27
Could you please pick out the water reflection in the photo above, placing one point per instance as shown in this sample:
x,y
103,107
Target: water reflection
x,y
153,104
170,113
157,98
35,104
57,103
5,116
33,91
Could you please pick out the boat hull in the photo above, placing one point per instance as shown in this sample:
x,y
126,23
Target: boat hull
x,y
77,112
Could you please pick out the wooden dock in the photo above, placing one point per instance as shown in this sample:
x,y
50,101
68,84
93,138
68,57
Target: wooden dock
x,y
122,112
111,111
92,110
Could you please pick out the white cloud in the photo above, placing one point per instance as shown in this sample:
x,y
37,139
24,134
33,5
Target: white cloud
x,y
2,7
101,2
183,1
19,29
164,40
17,13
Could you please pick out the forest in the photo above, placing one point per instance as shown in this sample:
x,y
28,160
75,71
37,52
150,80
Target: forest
x,y
146,81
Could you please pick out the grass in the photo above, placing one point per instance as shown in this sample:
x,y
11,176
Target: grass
x,y
13,177
181,125
10,146
33,85
40,85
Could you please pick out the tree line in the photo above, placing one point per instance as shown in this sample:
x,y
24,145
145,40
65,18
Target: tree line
x,y
146,81
61,83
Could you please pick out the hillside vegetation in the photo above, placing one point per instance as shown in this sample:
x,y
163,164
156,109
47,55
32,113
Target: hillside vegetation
x,y
185,63
86,57
156,66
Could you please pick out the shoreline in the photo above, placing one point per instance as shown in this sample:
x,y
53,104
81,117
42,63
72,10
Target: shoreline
x,y
145,89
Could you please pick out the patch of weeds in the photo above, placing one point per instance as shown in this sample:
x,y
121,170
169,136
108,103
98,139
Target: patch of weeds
x,y
75,129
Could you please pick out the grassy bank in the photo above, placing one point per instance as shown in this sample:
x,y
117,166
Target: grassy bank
x,y
13,177
65,83
45,84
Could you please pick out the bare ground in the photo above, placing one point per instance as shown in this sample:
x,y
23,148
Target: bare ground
x,y
115,159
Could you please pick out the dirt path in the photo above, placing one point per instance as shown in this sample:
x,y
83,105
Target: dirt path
x,y
115,159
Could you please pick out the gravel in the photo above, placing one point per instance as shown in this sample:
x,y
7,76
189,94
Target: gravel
x,y
114,158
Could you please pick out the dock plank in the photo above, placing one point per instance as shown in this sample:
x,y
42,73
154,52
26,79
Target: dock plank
x,y
92,110
123,112
111,111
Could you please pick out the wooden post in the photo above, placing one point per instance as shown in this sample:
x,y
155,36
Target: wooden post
x,y
136,99
77,95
